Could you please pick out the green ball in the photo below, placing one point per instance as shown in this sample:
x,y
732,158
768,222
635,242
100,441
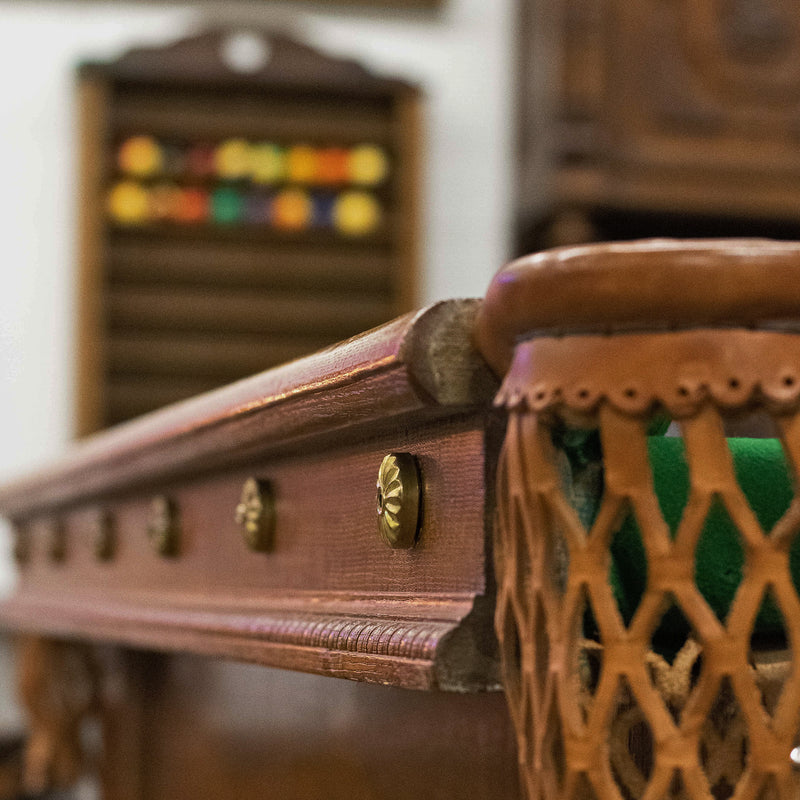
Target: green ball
x,y
227,206
764,477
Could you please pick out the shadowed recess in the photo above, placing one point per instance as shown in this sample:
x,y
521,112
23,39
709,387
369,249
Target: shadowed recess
x,y
631,765
582,474
771,675
672,632
583,789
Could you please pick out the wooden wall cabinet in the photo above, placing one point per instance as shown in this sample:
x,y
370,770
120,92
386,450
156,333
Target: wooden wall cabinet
x,y
196,268
684,113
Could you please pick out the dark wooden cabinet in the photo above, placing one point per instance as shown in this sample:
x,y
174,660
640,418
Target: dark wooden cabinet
x,y
659,117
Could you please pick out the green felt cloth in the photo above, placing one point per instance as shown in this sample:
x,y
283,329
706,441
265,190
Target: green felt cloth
x,y
763,474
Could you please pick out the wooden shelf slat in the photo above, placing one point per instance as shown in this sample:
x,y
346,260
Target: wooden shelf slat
x,y
241,263
222,357
130,396
155,308
210,233
178,117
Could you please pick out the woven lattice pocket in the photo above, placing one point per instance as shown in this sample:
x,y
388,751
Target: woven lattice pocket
x,y
599,709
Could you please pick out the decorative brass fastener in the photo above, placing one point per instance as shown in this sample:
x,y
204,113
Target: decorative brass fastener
x,y
398,500
163,529
255,514
103,535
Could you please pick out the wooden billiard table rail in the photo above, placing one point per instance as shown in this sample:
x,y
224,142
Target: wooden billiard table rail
x,y
324,593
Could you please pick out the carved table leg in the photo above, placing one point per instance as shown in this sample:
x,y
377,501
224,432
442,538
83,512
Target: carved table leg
x,y
57,685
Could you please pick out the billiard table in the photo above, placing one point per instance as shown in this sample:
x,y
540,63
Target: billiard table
x,y
466,552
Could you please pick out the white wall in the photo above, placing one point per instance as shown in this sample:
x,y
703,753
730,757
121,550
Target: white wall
x,y
460,55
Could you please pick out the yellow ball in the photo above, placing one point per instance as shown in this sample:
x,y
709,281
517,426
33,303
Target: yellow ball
x,y
267,163
140,156
301,164
129,203
232,159
356,213
369,165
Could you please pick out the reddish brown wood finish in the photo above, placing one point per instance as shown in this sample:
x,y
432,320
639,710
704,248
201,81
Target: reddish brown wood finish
x,y
624,287
623,334
421,364
330,596
221,731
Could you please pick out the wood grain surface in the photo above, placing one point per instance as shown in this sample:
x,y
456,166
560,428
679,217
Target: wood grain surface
x,y
329,596
647,285
421,364
219,731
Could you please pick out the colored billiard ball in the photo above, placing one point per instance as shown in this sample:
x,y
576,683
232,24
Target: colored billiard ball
x,y
292,209
140,156
128,203
356,213
369,165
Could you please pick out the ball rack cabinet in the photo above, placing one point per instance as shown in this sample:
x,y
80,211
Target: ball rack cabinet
x,y
169,309
370,512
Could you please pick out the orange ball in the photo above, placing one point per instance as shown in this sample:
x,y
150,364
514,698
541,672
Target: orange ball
x,y
140,156
292,209
192,206
301,164
333,166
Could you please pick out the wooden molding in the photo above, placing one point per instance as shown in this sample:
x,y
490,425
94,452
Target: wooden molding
x,y
328,595
421,363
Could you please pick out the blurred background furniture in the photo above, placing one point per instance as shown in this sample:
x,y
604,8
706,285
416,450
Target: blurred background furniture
x,y
244,200
658,118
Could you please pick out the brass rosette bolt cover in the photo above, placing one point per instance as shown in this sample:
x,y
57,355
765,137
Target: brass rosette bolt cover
x,y
163,530
255,515
398,500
